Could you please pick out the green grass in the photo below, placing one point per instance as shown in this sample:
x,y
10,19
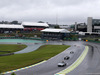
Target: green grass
x,y
11,48
21,60
3,52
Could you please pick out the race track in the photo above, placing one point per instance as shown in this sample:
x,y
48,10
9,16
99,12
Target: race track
x,y
89,66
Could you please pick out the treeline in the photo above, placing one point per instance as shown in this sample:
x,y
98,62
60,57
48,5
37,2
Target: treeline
x,y
7,22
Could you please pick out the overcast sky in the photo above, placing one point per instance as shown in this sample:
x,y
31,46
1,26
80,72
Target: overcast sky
x,y
64,11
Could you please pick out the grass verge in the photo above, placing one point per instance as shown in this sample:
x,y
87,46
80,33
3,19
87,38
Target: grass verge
x,y
21,60
9,48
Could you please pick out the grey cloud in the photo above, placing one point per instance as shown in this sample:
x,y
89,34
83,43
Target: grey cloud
x,y
67,11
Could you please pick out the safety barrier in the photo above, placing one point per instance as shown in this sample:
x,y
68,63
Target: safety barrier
x,y
6,54
95,41
31,38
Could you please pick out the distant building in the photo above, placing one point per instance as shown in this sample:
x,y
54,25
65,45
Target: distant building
x,y
64,26
56,34
53,25
82,27
58,26
79,27
93,25
75,26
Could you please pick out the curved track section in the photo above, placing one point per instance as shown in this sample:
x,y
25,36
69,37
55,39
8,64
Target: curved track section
x,y
30,47
89,66
50,67
76,63
91,63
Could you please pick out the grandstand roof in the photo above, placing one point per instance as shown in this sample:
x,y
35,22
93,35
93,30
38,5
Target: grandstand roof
x,y
55,30
34,24
11,26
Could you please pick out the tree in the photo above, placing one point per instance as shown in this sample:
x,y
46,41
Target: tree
x,y
40,22
14,22
57,26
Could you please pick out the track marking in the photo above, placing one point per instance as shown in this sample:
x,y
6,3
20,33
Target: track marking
x,y
23,68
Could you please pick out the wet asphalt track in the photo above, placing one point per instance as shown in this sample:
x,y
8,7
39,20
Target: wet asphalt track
x,y
91,63
89,66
